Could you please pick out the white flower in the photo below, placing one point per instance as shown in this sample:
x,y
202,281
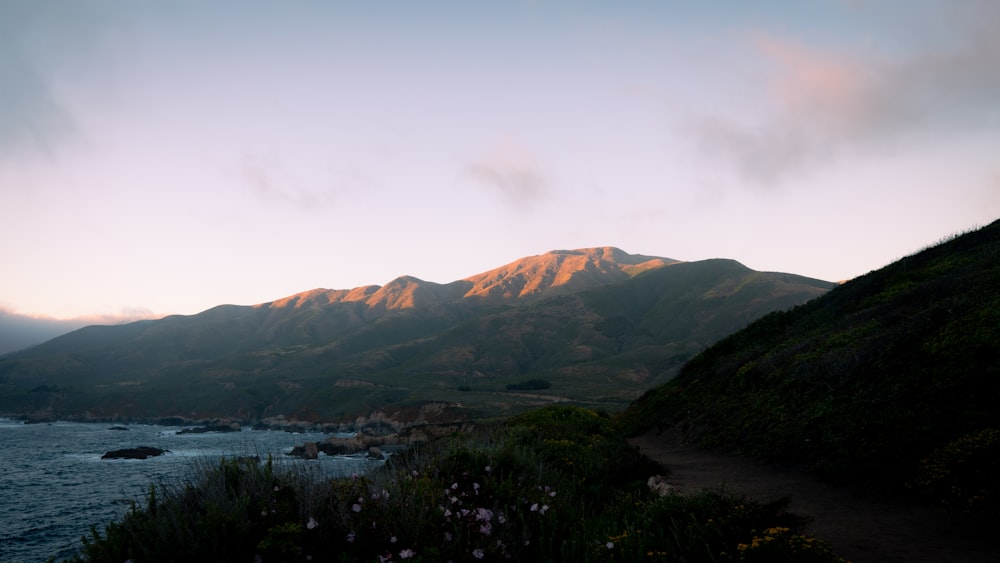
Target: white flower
x,y
447,536
610,545
488,469
484,514
392,539
534,507
356,508
350,537
406,554
478,553
312,523
543,509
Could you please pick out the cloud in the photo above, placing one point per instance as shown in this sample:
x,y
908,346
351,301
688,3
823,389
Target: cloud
x,y
826,103
44,46
270,180
511,171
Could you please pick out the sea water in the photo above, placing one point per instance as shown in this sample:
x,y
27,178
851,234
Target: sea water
x,y
54,485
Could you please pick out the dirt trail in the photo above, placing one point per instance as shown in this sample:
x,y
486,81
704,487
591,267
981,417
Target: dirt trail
x,y
861,529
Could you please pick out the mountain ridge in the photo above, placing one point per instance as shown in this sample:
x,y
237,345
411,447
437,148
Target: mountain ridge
x,y
599,324
528,276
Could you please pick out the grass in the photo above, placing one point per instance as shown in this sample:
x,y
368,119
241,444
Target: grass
x,y
555,484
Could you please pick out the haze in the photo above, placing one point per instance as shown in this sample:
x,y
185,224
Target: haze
x,y
166,157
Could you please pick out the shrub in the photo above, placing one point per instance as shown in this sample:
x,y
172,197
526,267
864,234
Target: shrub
x,y
964,472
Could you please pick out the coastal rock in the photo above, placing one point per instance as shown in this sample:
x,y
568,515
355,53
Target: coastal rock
x,y
222,427
141,452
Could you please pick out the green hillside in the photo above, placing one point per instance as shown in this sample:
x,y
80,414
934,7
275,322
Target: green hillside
x,y
892,378
315,359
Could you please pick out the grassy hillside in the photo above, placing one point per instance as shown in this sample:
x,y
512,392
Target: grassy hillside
x,y
317,360
892,378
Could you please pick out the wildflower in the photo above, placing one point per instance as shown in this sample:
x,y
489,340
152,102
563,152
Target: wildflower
x,y
534,507
392,539
312,523
502,519
447,536
610,545
277,488
485,529
406,554
488,469
543,509
356,507
478,553
475,487
454,486
350,537
484,514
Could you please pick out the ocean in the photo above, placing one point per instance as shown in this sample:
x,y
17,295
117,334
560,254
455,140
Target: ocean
x,y
54,485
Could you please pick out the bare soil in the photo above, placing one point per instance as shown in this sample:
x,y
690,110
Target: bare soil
x,y
862,529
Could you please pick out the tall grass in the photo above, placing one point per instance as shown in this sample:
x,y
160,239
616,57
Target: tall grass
x,y
558,484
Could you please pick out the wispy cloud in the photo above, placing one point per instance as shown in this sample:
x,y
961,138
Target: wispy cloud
x,y
511,171
827,103
270,179
43,47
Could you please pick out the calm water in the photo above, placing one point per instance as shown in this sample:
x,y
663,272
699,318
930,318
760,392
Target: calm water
x,y
54,484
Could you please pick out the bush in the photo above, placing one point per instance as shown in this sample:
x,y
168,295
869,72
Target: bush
x,y
964,472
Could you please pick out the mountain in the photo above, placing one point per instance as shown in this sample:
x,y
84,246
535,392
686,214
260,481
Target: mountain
x,y
596,325
892,378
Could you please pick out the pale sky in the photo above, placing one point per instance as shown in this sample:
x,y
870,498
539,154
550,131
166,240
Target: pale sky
x,y
161,157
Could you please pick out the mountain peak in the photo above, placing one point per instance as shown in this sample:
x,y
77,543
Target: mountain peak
x,y
561,269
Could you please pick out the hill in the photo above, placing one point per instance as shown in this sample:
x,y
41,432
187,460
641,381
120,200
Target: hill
x,y
892,379
595,325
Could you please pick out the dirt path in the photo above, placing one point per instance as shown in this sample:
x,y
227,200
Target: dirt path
x,y
861,530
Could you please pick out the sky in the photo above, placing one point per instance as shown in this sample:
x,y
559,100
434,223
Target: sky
x,y
166,157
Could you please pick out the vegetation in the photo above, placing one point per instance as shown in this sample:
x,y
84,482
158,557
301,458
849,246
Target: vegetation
x,y
529,385
315,360
556,484
892,379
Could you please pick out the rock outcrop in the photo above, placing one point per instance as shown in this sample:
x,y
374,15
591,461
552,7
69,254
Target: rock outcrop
x,y
141,452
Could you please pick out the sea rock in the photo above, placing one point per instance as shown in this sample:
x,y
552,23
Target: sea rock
x,y
222,427
141,452
120,428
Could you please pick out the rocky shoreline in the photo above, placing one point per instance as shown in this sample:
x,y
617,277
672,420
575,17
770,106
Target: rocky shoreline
x,y
374,443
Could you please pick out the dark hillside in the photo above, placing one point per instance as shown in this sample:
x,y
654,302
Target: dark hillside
x,y
893,378
595,326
